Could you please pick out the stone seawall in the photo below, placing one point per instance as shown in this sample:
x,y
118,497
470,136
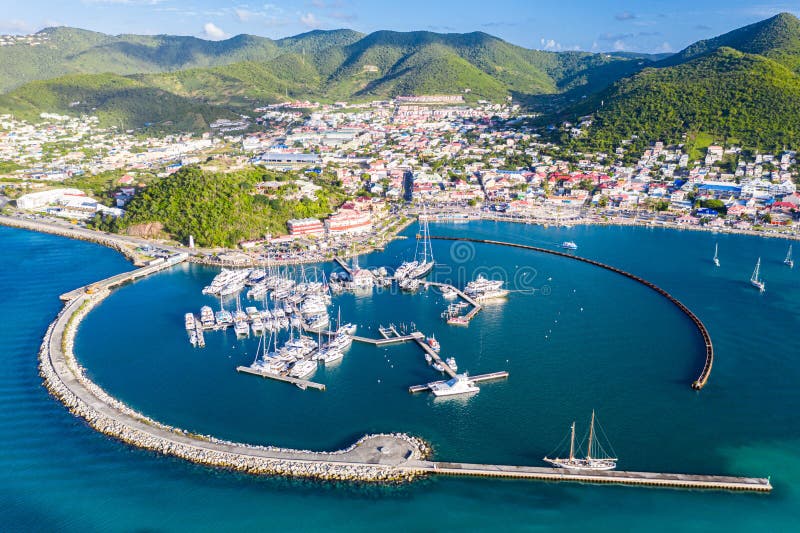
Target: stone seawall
x,y
373,458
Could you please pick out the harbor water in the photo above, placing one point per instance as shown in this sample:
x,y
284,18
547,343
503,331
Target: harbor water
x,y
573,338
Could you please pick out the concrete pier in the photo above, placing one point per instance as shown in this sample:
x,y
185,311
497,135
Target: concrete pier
x,y
480,378
302,383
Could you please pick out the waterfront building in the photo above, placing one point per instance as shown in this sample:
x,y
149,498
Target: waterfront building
x,y
305,226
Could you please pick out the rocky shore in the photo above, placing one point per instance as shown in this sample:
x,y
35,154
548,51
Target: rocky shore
x,y
378,458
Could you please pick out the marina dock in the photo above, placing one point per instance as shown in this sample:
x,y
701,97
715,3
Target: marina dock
x,y
480,378
302,383
342,263
475,305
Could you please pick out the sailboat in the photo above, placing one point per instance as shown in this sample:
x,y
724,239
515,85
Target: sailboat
x,y
789,261
424,257
755,281
716,255
596,457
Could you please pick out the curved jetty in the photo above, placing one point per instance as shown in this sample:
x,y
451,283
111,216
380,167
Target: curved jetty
x,y
697,384
393,457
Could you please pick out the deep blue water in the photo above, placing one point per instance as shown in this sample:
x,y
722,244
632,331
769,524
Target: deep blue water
x,y
586,338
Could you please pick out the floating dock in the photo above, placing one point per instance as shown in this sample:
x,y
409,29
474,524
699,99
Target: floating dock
x,y
302,383
480,378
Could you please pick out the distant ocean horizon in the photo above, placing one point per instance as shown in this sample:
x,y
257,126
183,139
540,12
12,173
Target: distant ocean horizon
x,y
573,338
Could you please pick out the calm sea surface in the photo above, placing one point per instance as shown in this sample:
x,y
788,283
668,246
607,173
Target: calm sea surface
x,y
573,337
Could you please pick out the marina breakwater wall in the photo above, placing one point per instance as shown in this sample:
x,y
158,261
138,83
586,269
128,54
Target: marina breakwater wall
x,y
81,234
702,379
373,458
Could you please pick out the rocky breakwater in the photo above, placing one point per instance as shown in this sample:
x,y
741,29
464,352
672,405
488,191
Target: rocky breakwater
x,y
373,458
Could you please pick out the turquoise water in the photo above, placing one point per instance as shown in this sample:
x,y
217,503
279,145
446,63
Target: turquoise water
x,y
584,339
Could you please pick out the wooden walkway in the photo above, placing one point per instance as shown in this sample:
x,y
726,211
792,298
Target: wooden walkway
x,y
477,379
302,383
697,384
389,340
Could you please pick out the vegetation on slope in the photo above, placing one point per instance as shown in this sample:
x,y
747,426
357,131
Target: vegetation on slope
x,y
219,209
727,94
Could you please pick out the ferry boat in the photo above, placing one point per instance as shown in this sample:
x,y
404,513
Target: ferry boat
x,y
789,261
460,384
433,343
569,245
189,322
596,457
754,279
716,255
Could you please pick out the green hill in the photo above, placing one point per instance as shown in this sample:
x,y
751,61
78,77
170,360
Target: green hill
x,y
727,94
217,209
743,86
193,80
72,51
777,38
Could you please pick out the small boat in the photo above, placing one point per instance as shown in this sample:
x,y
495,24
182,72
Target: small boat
x,y
433,343
241,328
716,254
451,362
789,261
428,358
755,281
449,292
189,321
596,457
569,245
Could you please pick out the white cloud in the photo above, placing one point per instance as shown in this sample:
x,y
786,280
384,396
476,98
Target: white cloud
x,y
310,20
15,26
663,48
552,44
213,32
620,46
124,2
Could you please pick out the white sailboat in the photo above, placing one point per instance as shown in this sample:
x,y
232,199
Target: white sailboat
x,y
789,261
716,255
596,457
755,281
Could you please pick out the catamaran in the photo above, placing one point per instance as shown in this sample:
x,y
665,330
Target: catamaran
x,y
596,457
754,279
789,261
716,255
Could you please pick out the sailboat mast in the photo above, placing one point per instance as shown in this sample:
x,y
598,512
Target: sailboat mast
x,y
572,442
591,437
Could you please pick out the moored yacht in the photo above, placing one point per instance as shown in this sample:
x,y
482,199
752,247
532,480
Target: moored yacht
x,y
461,384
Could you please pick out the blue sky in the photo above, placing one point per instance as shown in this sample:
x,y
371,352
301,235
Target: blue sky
x,y
566,25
